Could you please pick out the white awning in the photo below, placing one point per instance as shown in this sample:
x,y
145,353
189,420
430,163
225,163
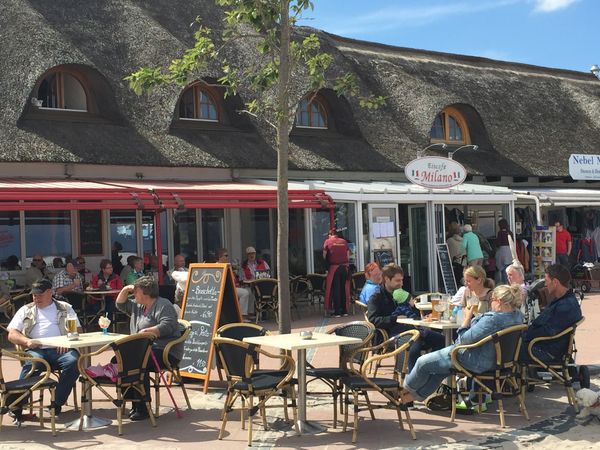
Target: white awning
x,y
562,197
410,193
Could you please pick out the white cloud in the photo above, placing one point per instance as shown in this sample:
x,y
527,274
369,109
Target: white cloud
x,y
545,6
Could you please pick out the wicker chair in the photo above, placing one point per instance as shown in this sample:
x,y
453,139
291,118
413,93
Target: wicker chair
x,y
14,393
559,369
132,355
265,297
507,344
238,360
357,282
333,376
316,287
391,388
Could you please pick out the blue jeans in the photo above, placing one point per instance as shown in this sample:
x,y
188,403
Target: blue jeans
x,y
428,373
66,362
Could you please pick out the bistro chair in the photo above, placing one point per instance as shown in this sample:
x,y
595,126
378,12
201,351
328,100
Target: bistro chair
x,y
316,288
380,336
298,290
265,297
14,393
238,360
559,369
360,383
333,376
172,369
132,354
507,344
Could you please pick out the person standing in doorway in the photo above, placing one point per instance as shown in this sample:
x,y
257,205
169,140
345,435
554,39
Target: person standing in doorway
x,y
564,244
470,245
503,254
337,287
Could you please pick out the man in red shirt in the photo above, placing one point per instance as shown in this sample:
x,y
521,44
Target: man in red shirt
x,y
337,287
563,245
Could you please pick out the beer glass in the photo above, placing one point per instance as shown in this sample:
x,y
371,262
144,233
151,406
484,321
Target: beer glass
x,y
71,326
435,306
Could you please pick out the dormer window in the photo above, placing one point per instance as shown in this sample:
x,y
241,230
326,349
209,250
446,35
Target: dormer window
x,y
62,90
311,114
197,103
450,127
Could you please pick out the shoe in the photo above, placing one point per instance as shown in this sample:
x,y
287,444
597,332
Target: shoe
x,y
468,408
345,315
337,315
16,415
138,415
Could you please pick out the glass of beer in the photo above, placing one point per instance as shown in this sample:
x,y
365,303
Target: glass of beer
x,y
435,306
71,326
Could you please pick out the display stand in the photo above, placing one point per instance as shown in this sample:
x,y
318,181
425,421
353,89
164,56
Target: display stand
x,y
544,249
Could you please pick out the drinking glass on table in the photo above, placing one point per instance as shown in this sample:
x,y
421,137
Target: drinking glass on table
x,y
71,327
441,307
435,306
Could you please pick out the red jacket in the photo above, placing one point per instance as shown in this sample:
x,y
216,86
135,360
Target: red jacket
x,y
260,265
337,250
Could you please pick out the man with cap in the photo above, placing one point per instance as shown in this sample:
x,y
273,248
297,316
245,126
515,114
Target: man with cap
x,y
46,317
253,265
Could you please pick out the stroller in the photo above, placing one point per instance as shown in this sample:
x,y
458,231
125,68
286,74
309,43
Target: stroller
x,y
537,300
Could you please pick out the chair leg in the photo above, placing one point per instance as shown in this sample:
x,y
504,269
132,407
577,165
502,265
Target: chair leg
x,y
335,401
224,416
156,393
150,413
250,403
53,411
345,409
119,413
295,410
368,400
179,380
521,397
263,413
500,403
355,430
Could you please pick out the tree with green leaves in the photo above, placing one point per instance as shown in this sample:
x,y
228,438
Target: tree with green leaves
x,y
281,55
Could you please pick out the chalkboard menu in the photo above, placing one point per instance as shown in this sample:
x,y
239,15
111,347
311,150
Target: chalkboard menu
x,y
90,232
210,301
446,269
383,256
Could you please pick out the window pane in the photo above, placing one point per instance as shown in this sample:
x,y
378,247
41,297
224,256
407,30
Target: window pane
x,y
302,114
297,248
48,233
74,93
48,92
10,240
148,235
186,104
185,234
256,232
122,230
437,130
213,226
454,132
208,110
344,221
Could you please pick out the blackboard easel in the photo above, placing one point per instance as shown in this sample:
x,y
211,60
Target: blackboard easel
x,y
383,256
446,268
209,301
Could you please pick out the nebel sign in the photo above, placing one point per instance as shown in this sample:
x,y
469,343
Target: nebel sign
x,y
584,167
435,172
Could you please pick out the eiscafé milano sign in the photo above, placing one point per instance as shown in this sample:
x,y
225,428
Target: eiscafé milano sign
x,y
584,167
435,172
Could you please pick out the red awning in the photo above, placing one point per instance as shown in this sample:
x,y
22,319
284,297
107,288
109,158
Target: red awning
x,y
49,195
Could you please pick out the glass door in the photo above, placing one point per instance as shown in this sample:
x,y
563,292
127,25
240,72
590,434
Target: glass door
x,y
383,234
418,251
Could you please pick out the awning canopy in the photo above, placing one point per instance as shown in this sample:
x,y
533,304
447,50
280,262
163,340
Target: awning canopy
x,y
562,197
20,194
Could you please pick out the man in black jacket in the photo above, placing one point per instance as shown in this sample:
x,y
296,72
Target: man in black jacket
x,y
382,313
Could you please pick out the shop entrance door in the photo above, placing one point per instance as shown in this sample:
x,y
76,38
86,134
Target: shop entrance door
x,y
418,249
383,234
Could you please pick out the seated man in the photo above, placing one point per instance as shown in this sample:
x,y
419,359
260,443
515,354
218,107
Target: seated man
x,y
561,313
67,280
46,317
383,314
36,271
136,272
243,293
150,314
372,282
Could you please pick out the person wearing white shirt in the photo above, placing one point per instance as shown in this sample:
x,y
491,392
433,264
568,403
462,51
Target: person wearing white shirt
x,y
42,318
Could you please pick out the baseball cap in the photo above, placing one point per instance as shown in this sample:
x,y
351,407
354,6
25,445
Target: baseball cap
x,y
400,295
40,286
250,250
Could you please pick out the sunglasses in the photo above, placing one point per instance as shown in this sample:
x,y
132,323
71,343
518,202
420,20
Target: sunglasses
x,y
37,260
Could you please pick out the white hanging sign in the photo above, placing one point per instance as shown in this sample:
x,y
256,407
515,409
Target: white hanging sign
x,y
435,172
584,167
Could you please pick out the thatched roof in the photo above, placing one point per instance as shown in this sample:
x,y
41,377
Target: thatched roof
x,y
525,119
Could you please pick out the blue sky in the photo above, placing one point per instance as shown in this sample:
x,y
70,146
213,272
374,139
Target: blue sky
x,y
551,33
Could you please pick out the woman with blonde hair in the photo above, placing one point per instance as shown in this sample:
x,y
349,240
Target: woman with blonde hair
x,y
431,369
476,292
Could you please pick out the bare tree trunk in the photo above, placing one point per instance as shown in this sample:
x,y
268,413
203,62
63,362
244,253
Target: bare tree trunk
x,y
282,174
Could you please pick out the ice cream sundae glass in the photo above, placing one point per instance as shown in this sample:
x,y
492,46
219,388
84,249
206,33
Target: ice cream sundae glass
x,y
104,323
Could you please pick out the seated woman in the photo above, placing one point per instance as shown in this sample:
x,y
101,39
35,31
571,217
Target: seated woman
x,y
107,280
431,369
150,314
476,293
373,280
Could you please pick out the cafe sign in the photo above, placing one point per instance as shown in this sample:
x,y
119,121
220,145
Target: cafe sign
x,y
584,167
435,172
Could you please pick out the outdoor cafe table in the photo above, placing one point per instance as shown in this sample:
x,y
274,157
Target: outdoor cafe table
x,y
294,341
446,327
86,341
